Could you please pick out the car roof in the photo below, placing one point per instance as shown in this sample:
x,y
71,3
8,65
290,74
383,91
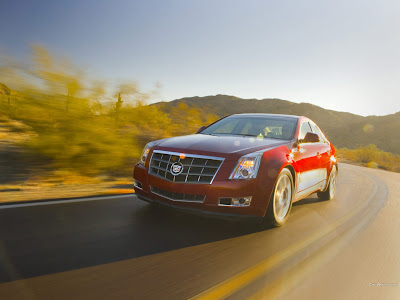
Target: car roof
x,y
267,115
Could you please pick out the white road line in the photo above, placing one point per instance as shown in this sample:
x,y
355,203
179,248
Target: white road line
x,y
51,202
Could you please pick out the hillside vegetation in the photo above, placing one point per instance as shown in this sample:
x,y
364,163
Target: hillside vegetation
x,y
74,125
371,157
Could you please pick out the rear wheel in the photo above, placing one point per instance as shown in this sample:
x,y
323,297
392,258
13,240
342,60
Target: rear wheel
x,y
280,203
330,191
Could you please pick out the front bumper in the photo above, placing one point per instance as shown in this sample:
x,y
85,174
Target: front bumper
x,y
212,192
202,212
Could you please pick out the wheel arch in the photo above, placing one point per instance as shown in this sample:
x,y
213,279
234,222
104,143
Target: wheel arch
x,y
274,161
293,172
335,164
269,212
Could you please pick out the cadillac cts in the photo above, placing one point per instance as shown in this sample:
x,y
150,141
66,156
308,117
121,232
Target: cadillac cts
x,y
253,165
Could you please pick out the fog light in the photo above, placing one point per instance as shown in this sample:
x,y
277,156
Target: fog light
x,y
225,201
242,201
137,184
236,202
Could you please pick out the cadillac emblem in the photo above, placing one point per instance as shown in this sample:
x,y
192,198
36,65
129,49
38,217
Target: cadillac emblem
x,y
176,168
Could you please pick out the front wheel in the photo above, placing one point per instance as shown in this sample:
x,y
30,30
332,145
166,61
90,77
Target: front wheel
x,y
330,191
280,203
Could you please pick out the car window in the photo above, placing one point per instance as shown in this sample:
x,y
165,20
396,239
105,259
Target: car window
x,y
305,127
317,131
248,128
227,127
269,127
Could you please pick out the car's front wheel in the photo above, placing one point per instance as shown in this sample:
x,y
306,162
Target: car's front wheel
x,y
280,203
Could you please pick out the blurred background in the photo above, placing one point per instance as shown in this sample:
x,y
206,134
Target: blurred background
x,y
61,127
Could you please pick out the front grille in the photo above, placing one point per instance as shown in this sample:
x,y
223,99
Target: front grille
x,y
195,168
177,196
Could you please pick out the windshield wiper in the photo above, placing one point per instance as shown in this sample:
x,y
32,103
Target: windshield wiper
x,y
235,134
247,135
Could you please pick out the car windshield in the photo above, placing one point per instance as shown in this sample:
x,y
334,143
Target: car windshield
x,y
257,126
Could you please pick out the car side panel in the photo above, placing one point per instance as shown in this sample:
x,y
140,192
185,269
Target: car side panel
x,y
307,164
325,161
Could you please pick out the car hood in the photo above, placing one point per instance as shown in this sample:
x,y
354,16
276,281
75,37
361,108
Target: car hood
x,y
217,145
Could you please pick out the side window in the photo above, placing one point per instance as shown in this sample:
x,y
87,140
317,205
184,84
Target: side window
x,y
318,132
305,127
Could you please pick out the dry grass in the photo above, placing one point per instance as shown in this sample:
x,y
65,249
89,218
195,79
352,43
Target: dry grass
x,y
42,188
371,157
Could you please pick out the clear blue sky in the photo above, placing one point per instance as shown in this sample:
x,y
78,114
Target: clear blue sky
x,y
342,55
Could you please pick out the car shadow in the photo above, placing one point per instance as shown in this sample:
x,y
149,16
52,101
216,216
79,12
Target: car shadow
x,y
310,200
173,229
48,239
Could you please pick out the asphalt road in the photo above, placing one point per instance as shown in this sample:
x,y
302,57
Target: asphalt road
x,y
123,248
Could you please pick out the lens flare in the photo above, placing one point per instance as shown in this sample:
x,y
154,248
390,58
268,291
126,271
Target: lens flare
x,y
368,128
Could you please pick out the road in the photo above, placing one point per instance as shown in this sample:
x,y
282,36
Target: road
x,y
123,248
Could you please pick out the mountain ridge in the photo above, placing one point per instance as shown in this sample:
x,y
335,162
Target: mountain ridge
x,y
344,129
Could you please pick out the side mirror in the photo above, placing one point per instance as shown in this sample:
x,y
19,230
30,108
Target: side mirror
x,y
311,138
201,129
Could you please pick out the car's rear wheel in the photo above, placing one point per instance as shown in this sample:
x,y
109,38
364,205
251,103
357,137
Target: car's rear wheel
x,y
280,203
330,191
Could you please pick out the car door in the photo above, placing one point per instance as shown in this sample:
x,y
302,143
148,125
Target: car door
x,y
305,156
324,154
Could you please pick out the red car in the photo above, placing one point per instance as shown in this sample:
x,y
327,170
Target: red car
x,y
252,165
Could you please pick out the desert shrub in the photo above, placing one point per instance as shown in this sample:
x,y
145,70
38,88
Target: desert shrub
x,y
371,156
77,126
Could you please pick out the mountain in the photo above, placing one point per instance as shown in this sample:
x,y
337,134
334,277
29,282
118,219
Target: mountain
x,y
342,129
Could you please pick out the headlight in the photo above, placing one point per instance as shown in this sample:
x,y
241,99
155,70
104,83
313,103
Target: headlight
x,y
145,153
247,167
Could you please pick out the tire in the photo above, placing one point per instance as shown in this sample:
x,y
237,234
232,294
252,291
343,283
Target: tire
x,y
281,200
329,193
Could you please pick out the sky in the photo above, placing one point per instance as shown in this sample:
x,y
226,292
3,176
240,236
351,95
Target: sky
x,y
341,55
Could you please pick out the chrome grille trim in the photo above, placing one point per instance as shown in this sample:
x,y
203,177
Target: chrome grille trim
x,y
197,169
179,197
